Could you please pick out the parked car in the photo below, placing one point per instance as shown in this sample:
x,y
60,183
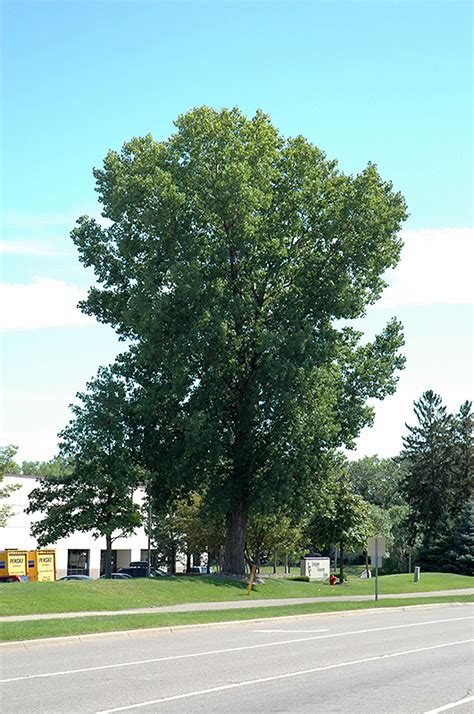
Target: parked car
x,y
142,572
14,579
76,577
117,576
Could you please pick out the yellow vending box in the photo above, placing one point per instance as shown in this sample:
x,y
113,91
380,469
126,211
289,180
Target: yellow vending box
x,y
42,565
13,562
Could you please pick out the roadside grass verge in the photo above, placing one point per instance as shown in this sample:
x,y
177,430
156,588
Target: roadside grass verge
x,y
80,596
14,631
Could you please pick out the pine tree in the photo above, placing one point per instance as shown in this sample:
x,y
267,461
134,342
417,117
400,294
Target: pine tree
x,y
430,457
462,555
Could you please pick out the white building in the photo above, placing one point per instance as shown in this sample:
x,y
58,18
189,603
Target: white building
x,y
79,553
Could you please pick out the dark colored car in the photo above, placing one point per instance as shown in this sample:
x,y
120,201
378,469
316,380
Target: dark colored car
x,y
117,576
142,572
15,579
76,577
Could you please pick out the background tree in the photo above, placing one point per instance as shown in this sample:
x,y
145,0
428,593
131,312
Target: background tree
x,y
340,517
232,256
377,480
54,468
96,494
7,466
462,554
437,455
275,531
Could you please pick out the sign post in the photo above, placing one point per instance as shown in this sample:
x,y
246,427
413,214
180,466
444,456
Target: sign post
x,y
252,576
376,568
376,548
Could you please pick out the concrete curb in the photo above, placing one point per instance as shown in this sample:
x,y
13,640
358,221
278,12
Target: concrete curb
x,y
153,631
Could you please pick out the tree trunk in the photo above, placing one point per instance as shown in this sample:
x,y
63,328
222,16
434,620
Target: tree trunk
x,y
108,556
172,560
188,562
234,558
341,563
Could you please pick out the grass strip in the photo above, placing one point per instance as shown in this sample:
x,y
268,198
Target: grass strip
x,y
36,598
14,631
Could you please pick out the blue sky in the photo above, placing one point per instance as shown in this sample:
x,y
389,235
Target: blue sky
x,y
386,82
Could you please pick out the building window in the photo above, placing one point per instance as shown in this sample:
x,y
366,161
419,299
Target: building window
x,y
78,562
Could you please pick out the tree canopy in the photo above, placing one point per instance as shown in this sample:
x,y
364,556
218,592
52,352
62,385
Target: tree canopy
x,y
231,258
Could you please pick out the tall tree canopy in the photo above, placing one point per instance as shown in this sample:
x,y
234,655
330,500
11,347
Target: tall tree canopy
x,y
231,258
95,492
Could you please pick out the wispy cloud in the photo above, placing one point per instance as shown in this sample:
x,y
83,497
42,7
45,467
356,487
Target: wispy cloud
x,y
30,247
32,221
435,268
42,303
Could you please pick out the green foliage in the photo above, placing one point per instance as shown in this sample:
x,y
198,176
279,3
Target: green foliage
x,y
7,466
55,468
340,517
377,480
300,578
439,478
462,552
185,527
272,531
231,256
96,492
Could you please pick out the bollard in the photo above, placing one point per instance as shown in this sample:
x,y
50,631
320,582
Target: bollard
x,y
416,574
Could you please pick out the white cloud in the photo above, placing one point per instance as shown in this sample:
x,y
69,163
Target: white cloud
x,y
435,268
29,247
42,303
33,221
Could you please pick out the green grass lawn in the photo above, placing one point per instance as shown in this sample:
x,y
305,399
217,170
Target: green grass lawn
x,y
12,631
35,598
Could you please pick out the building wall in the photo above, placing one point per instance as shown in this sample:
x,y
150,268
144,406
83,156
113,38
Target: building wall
x,y
17,535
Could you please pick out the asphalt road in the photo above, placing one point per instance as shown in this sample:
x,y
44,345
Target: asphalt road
x,y
413,660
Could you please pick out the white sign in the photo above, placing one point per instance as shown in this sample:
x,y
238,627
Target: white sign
x,y
315,568
380,546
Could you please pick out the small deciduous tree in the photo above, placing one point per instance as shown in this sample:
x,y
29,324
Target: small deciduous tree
x,y
7,465
340,517
96,494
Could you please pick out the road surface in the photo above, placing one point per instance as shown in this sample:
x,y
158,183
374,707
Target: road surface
x,y
414,660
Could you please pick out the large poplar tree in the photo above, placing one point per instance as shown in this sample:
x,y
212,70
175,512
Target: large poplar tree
x,y
232,259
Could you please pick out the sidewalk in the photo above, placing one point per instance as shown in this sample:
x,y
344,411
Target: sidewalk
x,y
234,605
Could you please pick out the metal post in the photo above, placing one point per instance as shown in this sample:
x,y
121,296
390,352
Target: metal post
x,y
148,567
376,568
